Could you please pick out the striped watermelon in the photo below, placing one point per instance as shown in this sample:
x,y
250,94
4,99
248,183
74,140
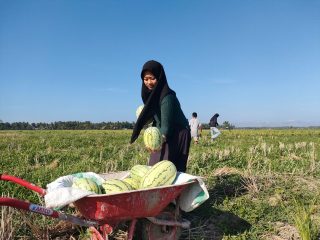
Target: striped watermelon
x,y
134,183
161,174
152,138
86,184
138,171
139,110
115,186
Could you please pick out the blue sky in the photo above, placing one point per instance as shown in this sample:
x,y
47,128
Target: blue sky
x,y
256,63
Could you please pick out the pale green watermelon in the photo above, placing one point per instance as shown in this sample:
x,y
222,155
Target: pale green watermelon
x,y
139,110
137,172
115,186
86,184
152,138
134,183
161,174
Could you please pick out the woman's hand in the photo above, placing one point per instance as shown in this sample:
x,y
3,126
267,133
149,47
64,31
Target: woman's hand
x,y
164,140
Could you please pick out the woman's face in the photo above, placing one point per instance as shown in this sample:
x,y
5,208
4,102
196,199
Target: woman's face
x,y
149,80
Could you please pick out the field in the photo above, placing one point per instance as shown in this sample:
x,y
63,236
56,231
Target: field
x,y
263,184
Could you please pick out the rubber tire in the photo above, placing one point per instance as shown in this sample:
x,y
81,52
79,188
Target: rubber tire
x,y
150,231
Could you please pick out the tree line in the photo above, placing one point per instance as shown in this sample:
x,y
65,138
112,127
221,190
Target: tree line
x,y
76,125
68,125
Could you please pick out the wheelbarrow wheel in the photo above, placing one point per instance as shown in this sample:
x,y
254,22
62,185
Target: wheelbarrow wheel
x,y
151,231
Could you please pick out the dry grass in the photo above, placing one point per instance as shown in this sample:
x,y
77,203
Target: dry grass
x,y
54,164
6,223
225,171
284,231
121,235
204,229
249,182
37,231
272,166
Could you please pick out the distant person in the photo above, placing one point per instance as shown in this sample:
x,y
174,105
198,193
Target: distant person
x,y
162,106
195,126
213,127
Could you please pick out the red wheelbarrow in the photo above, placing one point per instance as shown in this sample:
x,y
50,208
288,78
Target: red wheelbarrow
x,y
102,213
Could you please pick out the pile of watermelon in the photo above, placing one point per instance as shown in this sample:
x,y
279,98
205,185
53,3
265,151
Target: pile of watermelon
x,y
141,177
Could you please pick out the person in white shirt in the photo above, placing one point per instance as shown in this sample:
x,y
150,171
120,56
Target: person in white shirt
x,y
195,126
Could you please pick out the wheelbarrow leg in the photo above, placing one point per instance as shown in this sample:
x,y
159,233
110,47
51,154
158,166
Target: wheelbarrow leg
x,y
107,229
132,228
95,235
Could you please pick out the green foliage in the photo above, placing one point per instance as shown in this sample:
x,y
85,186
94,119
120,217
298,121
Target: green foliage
x,y
302,216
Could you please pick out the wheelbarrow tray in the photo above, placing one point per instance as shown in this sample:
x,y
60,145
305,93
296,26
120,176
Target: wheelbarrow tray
x,y
130,204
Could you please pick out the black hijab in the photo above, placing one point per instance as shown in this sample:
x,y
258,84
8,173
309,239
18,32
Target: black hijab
x,y
151,98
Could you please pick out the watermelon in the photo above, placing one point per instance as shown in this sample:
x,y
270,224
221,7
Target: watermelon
x,y
152,138
134,183
86,184
137,172
115,186
161,174
139,110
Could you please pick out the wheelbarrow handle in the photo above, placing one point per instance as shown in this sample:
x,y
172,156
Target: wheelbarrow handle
x,y
19,204
23,183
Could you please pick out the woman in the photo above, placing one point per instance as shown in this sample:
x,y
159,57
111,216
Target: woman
x,y
162,106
